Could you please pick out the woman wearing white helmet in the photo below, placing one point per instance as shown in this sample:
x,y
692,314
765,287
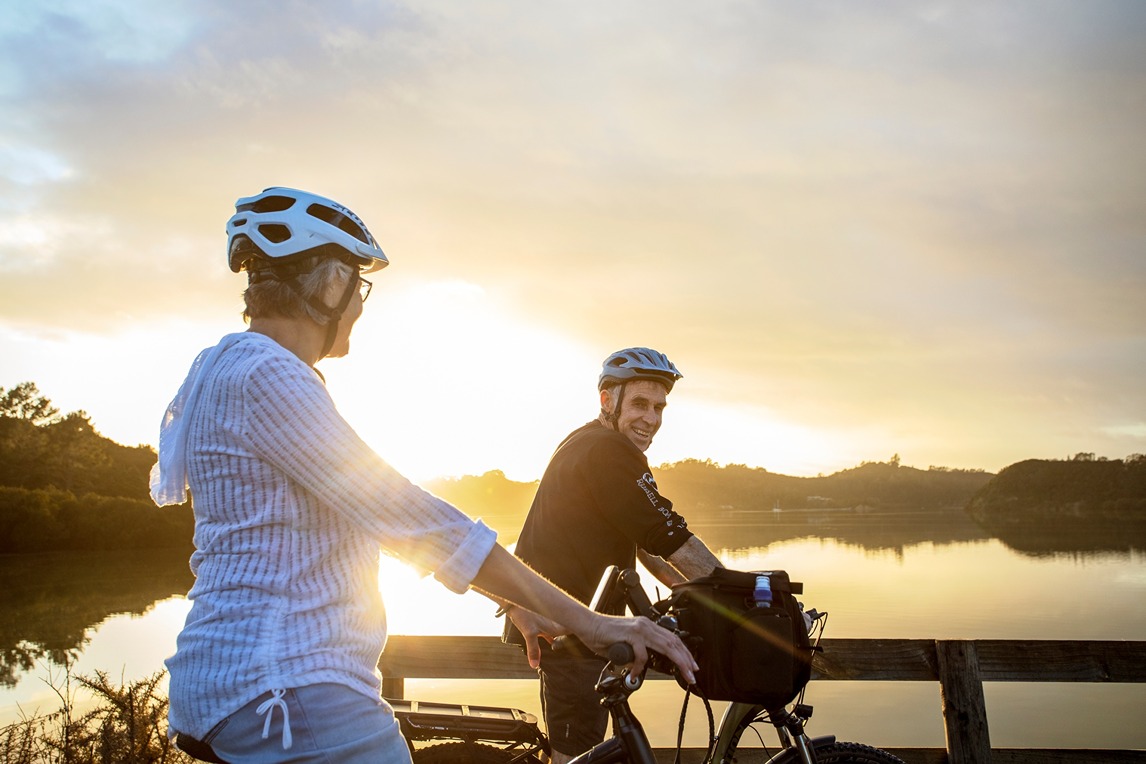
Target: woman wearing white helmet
x,y
292,509
291,243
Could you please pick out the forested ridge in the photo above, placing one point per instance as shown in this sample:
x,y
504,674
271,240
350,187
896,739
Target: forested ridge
x,y
1098,503
704,490
63,486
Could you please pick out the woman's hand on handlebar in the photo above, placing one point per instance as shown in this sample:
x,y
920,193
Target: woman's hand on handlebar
x,y
643,635
507,579
532,626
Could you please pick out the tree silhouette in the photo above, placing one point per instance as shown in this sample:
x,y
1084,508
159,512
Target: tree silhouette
x,y
25,402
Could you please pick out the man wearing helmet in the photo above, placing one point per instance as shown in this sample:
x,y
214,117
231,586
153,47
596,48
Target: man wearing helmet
x,y
292,509
598,505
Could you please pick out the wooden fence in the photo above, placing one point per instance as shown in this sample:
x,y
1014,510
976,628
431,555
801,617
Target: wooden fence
x,y
960,667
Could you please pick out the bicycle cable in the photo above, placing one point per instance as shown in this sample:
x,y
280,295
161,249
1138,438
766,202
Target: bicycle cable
x,y
711,726
815,634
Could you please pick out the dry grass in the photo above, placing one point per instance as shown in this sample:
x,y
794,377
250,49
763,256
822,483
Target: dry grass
x,y
128,726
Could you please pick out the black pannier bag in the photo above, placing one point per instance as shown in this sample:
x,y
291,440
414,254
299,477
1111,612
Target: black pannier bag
x,y
746,652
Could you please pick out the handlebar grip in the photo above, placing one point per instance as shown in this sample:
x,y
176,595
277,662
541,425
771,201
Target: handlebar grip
x,y
621,653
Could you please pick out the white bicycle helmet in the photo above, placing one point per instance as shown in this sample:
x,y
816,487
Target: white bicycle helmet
x,y
638,363
282,225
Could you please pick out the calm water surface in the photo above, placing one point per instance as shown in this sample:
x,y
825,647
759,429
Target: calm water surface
x,y
895,576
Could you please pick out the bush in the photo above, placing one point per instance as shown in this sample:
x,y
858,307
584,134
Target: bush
x,y
49,519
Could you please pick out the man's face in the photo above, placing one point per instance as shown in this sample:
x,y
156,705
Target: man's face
x,y
641,410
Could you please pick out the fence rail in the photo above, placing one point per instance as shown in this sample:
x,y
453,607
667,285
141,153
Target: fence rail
x,y
960,667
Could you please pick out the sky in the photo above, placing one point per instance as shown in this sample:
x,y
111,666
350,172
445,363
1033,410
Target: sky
x,y
859,229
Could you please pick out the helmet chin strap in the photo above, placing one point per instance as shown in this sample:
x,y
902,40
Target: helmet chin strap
x,y
336,315
612,416
333,315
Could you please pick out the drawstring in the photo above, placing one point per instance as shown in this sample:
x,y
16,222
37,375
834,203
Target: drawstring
x,y
268,707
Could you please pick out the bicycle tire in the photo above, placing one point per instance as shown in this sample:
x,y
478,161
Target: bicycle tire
x,y
471,753
832,753
854,753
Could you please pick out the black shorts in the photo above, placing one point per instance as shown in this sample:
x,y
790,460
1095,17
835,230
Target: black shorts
x,y
574,717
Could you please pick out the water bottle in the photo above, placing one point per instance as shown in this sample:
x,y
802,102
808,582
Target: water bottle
x,y
762,594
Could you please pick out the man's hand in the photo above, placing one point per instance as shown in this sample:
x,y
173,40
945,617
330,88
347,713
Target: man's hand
x,y
531,625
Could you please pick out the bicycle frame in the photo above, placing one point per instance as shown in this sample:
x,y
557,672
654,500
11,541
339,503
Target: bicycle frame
x,y
795,744
629,744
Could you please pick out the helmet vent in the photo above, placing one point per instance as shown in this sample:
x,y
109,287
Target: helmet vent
x,y
267,204
275,233
338,220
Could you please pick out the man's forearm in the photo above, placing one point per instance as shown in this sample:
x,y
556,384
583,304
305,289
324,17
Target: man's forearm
x,y
661,568
693,559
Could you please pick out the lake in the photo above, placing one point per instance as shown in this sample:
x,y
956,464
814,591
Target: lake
x,y
878,574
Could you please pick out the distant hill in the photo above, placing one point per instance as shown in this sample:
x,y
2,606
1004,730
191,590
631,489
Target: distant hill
x,y
500,502
702,489
1100,503
706,492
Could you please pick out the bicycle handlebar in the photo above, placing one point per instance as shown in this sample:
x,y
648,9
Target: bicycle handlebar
x,y
618,653
622,587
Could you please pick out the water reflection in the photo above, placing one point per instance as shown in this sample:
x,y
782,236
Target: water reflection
x,y
896,530
875,531
50,601
1074,537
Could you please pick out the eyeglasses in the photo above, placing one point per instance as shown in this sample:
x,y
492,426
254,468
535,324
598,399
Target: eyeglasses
x,y
364,288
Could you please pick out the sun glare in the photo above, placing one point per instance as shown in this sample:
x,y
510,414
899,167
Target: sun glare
x,y
407,595
442,382
699,429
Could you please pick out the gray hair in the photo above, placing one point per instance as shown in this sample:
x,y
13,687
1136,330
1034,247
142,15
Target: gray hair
x,y
268,297
613,389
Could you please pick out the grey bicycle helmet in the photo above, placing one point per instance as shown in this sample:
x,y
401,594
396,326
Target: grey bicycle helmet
x,y
282,225
638,363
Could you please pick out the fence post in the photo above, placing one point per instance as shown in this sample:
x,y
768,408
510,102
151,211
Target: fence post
x,y
393,687
964,708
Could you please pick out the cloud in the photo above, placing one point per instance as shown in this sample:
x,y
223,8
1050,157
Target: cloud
x,y
925,215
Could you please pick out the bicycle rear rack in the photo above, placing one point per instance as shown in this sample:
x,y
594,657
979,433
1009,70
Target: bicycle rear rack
x,y
439,721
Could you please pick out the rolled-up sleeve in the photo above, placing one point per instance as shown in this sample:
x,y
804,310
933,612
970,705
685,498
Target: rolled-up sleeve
x,y
459,570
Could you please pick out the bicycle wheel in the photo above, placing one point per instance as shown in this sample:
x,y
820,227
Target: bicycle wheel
x,y
471,753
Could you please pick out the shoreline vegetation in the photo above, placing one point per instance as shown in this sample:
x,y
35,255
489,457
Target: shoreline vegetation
x,y
127,724
66,488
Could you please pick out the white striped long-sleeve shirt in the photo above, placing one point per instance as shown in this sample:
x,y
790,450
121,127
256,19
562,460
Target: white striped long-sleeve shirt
x,y
291,510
